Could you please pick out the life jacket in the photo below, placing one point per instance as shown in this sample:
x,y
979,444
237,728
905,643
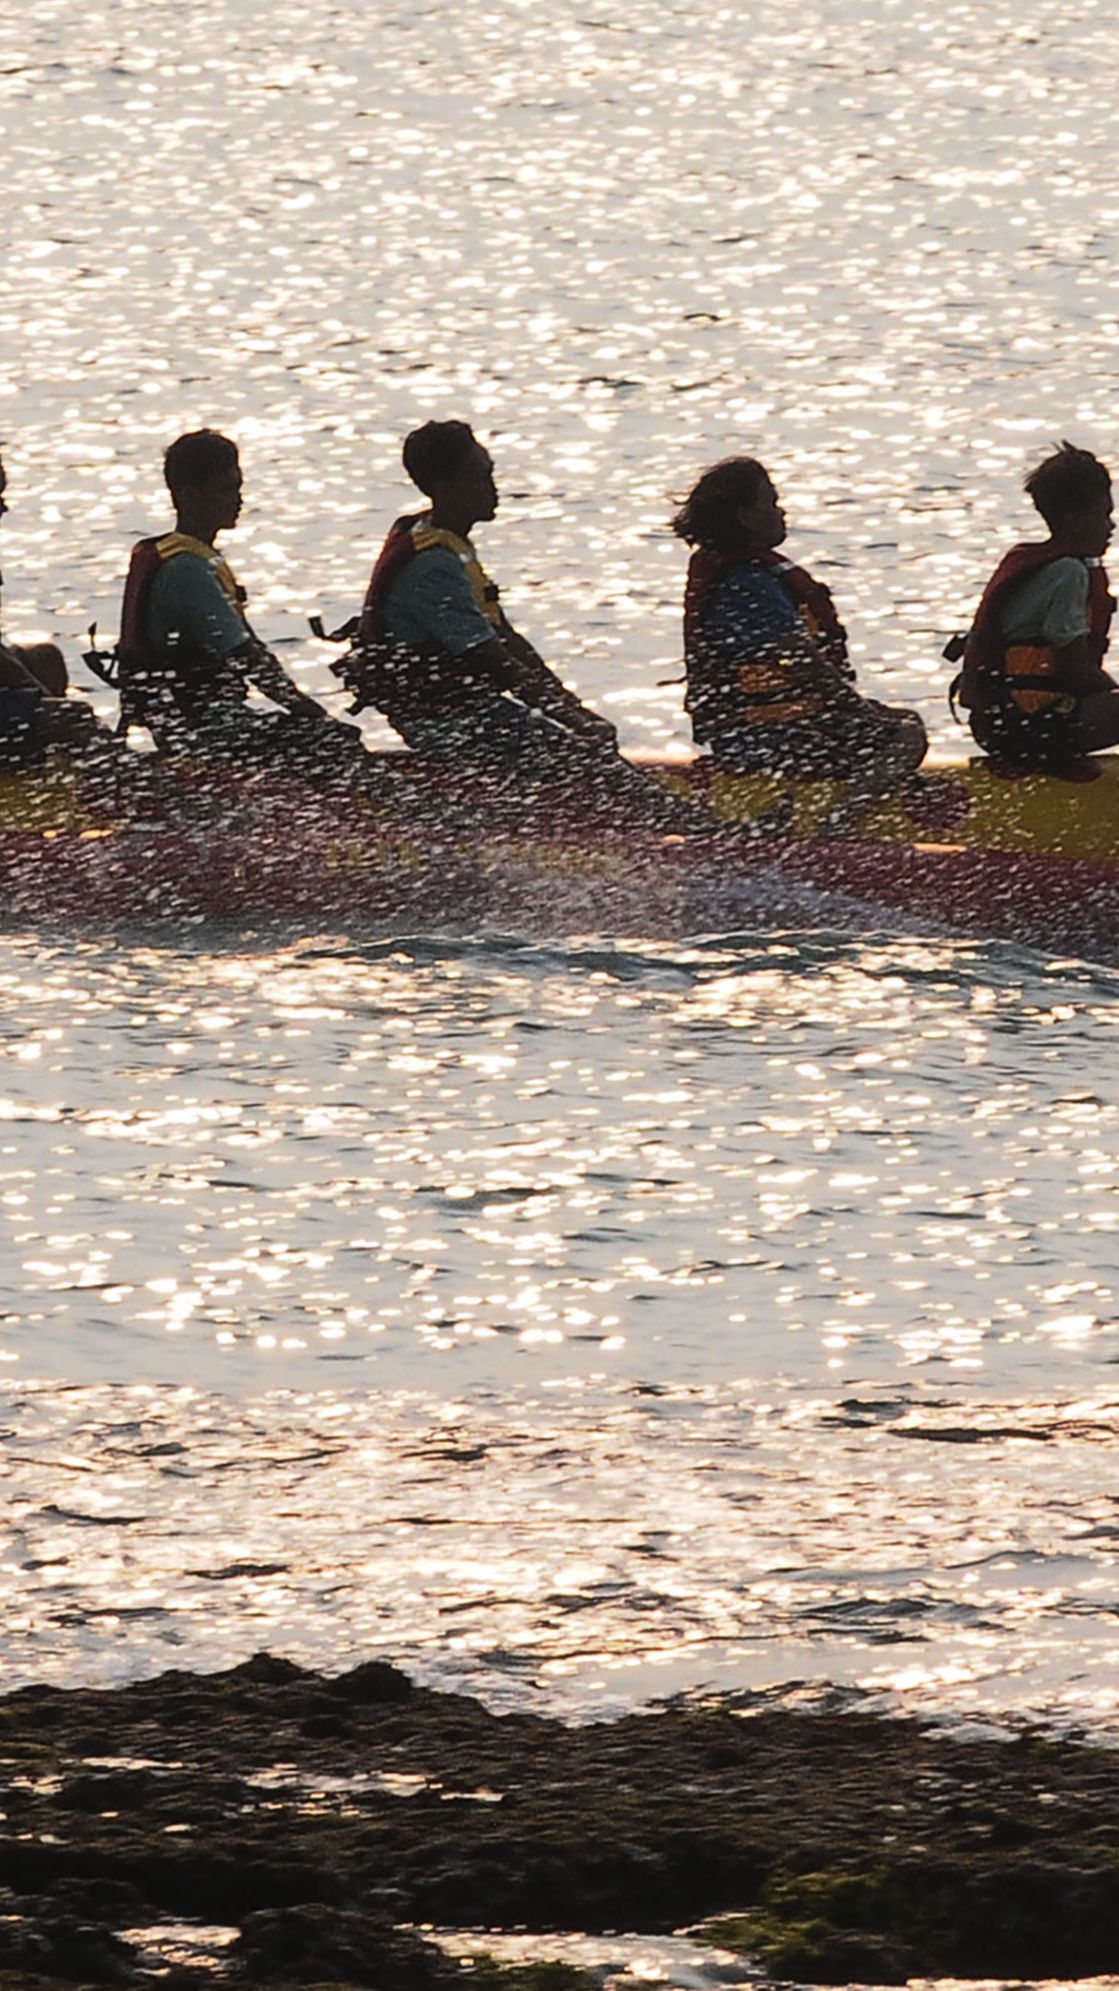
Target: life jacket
x,y
179,681
1025,676
723,694
410,680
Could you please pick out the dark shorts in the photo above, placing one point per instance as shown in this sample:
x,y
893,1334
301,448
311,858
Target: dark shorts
x,y
524,754
493,733
836,745
240,736
1046,740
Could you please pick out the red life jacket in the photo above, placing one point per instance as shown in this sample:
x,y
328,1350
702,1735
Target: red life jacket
x,y
412,681
178,686
1026,675
724,696
398,552
143,566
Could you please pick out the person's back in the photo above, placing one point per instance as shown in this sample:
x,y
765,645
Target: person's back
x,y
770,686
1033,681
441,659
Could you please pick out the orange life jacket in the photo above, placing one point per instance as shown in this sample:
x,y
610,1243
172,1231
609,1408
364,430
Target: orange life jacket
x,y
1027,676
727,695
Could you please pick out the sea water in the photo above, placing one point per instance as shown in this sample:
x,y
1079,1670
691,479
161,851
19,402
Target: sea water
x,y
575,1313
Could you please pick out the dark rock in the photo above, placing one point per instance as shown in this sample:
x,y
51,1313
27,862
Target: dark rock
x,y
315,1945
63,1947
265,1670
376,1684
856,1847
116,1790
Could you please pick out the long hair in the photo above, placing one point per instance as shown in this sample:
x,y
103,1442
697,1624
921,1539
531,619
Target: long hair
x,y
709,513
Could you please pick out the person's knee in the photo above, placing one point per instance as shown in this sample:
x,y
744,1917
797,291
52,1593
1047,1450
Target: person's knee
x,y
916,737
47,665
911,741
1098,723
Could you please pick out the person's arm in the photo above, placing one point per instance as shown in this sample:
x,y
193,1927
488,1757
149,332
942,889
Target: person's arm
x,y
257,663
191,607
1080,671
433,602
538,686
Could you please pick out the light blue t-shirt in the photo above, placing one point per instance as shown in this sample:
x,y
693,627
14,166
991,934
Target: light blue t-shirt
x,y
432,601
187,605
1049,607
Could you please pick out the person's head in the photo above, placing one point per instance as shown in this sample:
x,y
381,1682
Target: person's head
x,y
203,475
450,466
1072,491
733,509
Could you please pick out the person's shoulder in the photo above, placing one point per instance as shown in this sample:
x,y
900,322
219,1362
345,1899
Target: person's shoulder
x,y
433,566
182,573
436,553
753,580
1063,579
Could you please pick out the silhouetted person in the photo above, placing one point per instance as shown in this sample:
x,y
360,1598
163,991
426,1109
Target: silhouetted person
x,y
1033,680
188,654
770,685
437,654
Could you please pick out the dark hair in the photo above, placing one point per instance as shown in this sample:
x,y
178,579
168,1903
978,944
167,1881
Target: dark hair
x,y
709,513
1066,482
436,451
195,458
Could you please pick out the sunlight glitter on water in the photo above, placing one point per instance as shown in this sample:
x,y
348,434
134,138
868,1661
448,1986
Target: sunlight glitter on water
x,y
399,1153
586,1321
629,1320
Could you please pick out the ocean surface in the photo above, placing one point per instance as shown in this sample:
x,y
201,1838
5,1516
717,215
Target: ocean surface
x,y
573,1313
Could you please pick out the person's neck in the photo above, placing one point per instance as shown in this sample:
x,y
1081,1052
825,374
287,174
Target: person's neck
x,y
192,526
446,518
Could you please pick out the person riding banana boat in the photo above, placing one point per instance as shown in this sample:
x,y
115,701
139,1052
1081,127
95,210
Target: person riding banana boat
x,y
770,685
35,711
188,655
1033,682
436,653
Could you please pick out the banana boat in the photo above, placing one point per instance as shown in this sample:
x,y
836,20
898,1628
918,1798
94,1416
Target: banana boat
x,y
969,848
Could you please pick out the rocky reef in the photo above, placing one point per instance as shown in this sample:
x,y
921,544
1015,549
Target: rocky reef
x,y
318,1827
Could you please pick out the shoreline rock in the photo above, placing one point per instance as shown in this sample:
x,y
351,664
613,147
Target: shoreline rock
x,y
328,1821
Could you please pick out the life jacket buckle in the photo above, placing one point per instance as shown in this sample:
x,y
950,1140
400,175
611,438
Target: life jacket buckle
x,y
104,664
